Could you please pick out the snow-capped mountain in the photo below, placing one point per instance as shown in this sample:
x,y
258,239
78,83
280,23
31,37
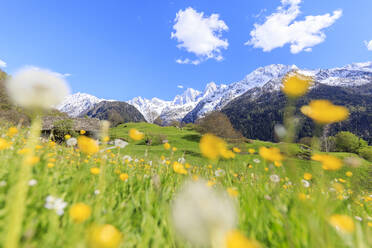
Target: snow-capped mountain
x,y
193,104
78,103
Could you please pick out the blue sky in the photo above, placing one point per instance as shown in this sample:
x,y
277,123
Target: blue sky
x,y
122,49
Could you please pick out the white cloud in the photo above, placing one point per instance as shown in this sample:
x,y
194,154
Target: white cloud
x,y
281,28
57,74
65,75
200,35
2,63
368,45
180,86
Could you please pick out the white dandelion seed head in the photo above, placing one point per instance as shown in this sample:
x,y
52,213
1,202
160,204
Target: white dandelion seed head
x,y
219,173
37,88
305,183
32,182
199,210
71,141
120,143
275,178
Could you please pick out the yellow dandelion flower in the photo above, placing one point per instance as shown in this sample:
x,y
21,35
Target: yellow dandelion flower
x,y
50,165
266,169
67,137
95,170
342,223
80,212
32,160
24,151
302,196
87,145
104,236
12,131
187,166
82,132
236,150
308,176
174,149
235,239
178,168
328,162
167,146
349,174
124,177
134,134
296,85
233,192
210,183
250,166
324,112
38,147
4,144
278,163
271,154
212,147
106,139
251,150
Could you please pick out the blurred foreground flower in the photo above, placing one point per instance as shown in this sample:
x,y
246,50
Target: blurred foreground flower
x,y
342,223
203,215
324,112
120,143
134,134
104,236
179,168
213,147
236,239
12,131
79,212
87,145
37,88
271,154
56,204
295,84
328,162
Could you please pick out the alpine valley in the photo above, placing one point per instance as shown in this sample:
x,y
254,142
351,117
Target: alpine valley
x,y
253,104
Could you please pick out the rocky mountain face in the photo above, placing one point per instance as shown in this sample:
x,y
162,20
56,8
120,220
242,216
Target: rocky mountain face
x,y
78,103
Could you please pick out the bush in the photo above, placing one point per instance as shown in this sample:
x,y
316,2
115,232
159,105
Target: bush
x,y
348,142
366,153
218,124
62,128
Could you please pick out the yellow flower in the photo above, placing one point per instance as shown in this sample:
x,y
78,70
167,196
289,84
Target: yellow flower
x,y
178,168
235,239
134,134
79,212
104,236
296,85
342,223
233,192
278,163
106,139
210,183
50,165
236,150
4,144
212,147
94,170
271,154
187,166
308,176
67,136
251,150
12,131
82,132
124,176
349,174
87,145
195,178
174,149
324,112
167,146
38,147
266,169
328,162
302,196
32,160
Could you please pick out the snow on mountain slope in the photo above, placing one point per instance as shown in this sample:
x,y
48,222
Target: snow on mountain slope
x,y
78,103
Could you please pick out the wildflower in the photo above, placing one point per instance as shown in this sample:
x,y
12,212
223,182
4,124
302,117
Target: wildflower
x,y
275,178
106,139
201,214
167,146
212,147
95,170
32,182
305,183
71,142
295,84
271,154
256,160
67,136
181,160
87,145
178,168
24,151
127,158
236,150
96,192
210,183
233,192
36,88
79,212
82,132
134,134
278,163
342,223
308,176
4,144
251,151
349,174
12,131
235,239
266,169
303,196
124,176
104,236
324,112
220,173
56,204
32,160
174,149
328,162
120,143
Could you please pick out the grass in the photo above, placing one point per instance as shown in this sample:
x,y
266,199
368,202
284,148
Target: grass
x,y
283,214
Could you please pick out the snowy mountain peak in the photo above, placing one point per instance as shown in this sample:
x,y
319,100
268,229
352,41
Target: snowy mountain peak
x,y
188,96
78,103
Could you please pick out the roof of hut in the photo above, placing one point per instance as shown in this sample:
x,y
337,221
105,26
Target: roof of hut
x,y
87,124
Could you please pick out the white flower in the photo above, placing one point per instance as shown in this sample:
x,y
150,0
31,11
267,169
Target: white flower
x,y
275,178
32,182
120,143
37,88
219,173
181,160
2,183
127,158
96,192
305,183
56,204
71,141
358,218
256,160
136,160
200,213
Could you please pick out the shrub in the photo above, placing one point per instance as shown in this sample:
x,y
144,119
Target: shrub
x,y
348,142
366,153
62,128
218,124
